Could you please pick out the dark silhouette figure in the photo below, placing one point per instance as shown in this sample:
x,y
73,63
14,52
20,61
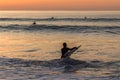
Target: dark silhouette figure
x,y
34,23
52,17
64,50
85,17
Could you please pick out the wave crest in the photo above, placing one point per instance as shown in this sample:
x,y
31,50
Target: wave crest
x,y
60,19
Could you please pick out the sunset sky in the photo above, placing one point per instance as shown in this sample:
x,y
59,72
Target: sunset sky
x,y
59,4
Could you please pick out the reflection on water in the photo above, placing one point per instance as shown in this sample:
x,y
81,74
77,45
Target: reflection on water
x,y
98,56
46,46
33,51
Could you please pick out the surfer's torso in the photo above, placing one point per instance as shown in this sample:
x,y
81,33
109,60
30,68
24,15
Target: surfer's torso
x,y
64,50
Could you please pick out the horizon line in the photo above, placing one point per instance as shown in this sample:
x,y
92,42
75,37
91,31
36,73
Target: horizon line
x,y
50,10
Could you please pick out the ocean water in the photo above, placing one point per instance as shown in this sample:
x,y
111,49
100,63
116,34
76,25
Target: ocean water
x,y
97,31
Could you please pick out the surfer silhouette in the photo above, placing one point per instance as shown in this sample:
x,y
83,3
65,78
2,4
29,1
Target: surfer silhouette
x,y
66,52
34,23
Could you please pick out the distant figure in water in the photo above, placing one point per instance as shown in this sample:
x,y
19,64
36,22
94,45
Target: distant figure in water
x,y
52,18
85,17
34,23
64,50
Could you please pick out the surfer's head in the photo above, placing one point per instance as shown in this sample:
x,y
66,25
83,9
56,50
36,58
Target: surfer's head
x,y
64,44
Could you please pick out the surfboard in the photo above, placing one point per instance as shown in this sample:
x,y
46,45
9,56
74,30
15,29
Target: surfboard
x,y
68,54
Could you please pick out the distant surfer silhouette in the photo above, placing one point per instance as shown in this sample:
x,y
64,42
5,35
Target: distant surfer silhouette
x,y
34,23
66,52
85,17
52,17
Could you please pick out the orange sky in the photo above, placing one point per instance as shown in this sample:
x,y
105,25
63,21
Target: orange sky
x,y
59,4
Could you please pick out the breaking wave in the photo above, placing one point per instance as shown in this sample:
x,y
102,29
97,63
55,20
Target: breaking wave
x,y
67,65
65,28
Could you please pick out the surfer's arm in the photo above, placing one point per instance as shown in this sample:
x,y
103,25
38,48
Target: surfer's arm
x,y
76,47
71,48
